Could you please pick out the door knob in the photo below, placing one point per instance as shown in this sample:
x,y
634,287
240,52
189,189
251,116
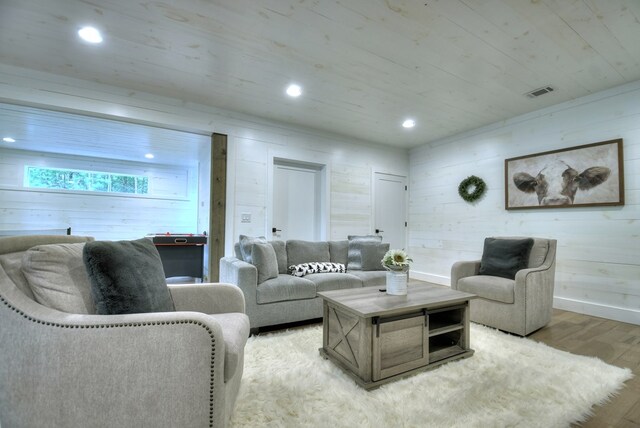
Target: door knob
x,y
274,230
378,230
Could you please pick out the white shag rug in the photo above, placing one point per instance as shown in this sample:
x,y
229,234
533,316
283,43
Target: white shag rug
x,y
508,382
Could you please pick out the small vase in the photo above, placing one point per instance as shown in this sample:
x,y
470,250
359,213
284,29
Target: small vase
x,y
397,282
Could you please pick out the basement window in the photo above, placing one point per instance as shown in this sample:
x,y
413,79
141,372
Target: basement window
x,y
85,181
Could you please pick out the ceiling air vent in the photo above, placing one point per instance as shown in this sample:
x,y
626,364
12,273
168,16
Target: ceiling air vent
x,y
540,91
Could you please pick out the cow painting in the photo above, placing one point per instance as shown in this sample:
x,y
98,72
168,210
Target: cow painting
x,y
579,176
557,183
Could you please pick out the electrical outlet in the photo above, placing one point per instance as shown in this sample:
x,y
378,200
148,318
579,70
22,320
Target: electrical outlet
x,y
245,218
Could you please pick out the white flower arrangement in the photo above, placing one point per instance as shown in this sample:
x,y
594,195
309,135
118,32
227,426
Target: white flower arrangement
x,y
396,260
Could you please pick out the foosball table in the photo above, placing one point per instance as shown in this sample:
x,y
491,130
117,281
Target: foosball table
x,y
182,254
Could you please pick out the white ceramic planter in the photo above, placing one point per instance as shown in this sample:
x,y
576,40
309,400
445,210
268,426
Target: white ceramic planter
x,y
397,283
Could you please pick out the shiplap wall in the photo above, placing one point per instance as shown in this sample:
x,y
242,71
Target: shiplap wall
x,y
251,140
598,258
170,205
350,167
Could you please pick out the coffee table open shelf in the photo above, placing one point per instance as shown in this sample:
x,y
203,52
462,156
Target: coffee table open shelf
x,y
376,338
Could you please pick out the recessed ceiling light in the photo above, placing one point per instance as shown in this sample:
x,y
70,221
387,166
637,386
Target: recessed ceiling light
x,y
149,156
409,123
8,140
294,90
90,34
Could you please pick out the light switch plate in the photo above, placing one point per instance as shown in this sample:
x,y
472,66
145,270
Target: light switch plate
x,y
245,218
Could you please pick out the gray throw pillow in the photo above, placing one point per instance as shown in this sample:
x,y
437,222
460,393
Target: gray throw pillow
x,y
372,254
246,243
57,277
354,257
505,257
126,277
281,254
265,261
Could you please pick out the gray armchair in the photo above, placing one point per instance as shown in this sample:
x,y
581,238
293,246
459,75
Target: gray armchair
x,y
521,305
170,369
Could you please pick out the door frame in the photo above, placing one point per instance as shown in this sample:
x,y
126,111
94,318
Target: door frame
x,y
406,202
301,158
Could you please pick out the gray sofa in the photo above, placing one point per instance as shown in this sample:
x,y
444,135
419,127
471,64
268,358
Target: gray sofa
x,y
164,369
286,298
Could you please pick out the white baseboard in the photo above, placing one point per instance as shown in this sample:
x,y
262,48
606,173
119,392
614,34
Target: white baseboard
x,y
598,310
589,308
436,279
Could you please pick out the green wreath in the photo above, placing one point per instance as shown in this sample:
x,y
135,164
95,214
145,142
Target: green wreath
x,y
474,182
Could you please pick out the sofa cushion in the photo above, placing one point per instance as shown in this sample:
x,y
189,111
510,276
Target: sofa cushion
x,y
285,288
339,251
505,257
236,331
334,281
371,254
489,287
246,243
314,267
355,249
281,254
126,277
263,257
299,252
371,278
58,278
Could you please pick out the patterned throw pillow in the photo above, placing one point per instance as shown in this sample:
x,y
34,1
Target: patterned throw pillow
x,y
316,267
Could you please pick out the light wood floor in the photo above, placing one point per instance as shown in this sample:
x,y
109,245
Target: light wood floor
x,y
613,342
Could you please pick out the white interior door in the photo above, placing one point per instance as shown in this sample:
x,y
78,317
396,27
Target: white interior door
x,y
390,202
296,203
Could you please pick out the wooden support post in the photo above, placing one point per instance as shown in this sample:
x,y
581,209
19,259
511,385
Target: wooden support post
x,y
218,204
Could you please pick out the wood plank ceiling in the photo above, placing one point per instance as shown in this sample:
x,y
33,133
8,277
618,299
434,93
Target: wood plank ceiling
x,y
364,65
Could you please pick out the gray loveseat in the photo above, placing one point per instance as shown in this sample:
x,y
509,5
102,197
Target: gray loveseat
x,y
163,369
284,298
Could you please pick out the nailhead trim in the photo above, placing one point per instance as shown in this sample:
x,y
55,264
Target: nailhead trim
x,y
134,324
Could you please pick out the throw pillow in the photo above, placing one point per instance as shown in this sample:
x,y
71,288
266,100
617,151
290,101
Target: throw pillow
x,y
371,254
354,257
126,277
246,243
281,254
265,260
57,277
316,267
505,257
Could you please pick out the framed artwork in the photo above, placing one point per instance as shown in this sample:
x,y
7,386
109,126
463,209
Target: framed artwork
x,y
581,176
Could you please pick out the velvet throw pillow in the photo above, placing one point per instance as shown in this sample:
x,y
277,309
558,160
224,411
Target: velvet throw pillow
x,y
505,257
126,277
354,255
246,245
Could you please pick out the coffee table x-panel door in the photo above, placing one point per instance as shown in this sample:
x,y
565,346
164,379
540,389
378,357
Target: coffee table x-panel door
x,y
410,341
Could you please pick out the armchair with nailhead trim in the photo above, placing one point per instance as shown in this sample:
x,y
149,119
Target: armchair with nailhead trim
x,y
164,369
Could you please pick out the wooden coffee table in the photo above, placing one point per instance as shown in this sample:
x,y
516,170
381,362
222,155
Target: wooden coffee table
x,y
376,338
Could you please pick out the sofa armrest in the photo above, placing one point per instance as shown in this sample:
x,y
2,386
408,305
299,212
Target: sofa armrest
x,y
103,363
242,274
463,269
208,298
